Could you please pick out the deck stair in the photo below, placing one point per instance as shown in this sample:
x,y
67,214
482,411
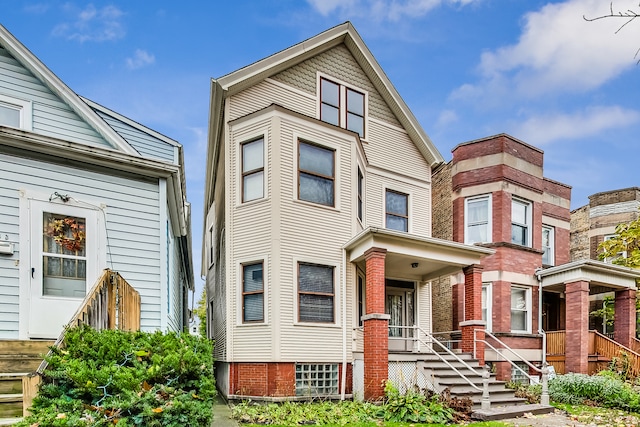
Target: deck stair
x,y
17,359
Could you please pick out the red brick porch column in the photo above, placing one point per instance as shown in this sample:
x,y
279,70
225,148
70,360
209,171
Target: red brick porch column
x,y
625,317
376,327
473,312
577,314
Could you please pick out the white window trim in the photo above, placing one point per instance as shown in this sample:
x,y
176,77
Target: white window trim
x,y
529,307
314,140
343,101
360,169
409,206
337,287
489,304
528,219
25,108
211,247
239,187
489,217
265,289
358,322
552,243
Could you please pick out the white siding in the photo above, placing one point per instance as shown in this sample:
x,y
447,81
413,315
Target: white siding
x,y
391,149
50,116
174,294
132,228
142,142
419,201
266,93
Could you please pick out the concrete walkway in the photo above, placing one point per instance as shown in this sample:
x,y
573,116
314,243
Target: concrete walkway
x,y
222,414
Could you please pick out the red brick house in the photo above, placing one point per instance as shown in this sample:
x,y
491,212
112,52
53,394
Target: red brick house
x,y
493,194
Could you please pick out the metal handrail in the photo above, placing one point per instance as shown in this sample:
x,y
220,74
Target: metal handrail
x,y
544,371
416,337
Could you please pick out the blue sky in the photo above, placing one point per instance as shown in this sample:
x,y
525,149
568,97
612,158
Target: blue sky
x,y
467,68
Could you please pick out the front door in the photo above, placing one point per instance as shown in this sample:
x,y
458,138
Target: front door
x,y
400,307
63,264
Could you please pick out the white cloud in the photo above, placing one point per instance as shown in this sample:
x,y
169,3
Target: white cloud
x,y
140,59
446,118
558,50
380,10
92,24
544,129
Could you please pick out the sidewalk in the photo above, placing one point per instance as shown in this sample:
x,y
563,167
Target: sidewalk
x,y
222,414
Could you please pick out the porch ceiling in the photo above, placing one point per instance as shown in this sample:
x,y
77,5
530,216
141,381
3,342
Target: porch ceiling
x,y
434,257
602,277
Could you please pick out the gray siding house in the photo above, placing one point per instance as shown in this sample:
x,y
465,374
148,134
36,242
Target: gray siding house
x,y
83,188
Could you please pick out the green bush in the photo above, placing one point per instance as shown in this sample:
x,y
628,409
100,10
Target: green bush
x,y
606,390
129,378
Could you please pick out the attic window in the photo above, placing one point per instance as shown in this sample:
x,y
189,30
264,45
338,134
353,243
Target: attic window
x,y
342,106
15,113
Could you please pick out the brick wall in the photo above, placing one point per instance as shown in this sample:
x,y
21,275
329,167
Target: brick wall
x,y
273,379
614,196
498,144
442,228
579,234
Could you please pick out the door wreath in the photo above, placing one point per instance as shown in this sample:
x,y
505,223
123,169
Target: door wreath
x,y
66,232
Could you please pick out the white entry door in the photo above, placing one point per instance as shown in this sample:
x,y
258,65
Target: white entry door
x,y
400,308
63,264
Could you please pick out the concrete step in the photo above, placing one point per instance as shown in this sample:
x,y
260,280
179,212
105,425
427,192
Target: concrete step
x,y
25,347
16,363
509,411
9,421
11,383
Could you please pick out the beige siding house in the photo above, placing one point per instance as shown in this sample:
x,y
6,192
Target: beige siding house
x,y
318,249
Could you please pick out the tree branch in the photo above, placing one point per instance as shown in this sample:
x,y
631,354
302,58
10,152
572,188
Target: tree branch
x,y
629,15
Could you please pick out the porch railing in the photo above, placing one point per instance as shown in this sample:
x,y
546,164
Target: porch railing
x,y
112,303
430,342
598,345
543,371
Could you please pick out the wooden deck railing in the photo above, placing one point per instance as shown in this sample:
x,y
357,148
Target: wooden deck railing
x,y
635,345
112,303
601,351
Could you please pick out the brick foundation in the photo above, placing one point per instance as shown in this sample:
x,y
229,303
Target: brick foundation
x,y
273,379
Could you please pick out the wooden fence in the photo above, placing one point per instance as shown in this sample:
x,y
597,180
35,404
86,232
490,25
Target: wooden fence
x,y
112,303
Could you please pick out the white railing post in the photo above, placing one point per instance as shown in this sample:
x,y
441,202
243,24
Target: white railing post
x,y
544,396
486,401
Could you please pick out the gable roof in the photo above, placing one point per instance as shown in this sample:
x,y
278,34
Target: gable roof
x,y
344,33
245,77
57,86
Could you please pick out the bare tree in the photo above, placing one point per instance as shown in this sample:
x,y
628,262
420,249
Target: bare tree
x,y
628,15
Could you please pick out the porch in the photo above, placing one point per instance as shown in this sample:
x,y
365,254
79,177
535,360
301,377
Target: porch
x,y
392,266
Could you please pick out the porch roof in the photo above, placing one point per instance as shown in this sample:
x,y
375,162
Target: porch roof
x,y
434,257
602,277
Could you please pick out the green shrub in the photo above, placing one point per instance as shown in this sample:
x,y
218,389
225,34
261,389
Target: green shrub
x,y
128,378
606,390
413,407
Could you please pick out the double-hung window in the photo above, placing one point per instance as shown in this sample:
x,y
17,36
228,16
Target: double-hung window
x,y
521,222
477,219
316,173
253,292
548,245
396,210
15,113
342,106
361,298
316,293
622,254
253,170
520,309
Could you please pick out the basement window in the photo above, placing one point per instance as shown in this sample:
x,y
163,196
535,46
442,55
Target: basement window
x,y
316,380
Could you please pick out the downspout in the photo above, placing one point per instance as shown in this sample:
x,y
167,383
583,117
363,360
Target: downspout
x,y
540,330
343,379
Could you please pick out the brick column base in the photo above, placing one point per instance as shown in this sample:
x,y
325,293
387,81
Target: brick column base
x,y
469,345
625,317
376,355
